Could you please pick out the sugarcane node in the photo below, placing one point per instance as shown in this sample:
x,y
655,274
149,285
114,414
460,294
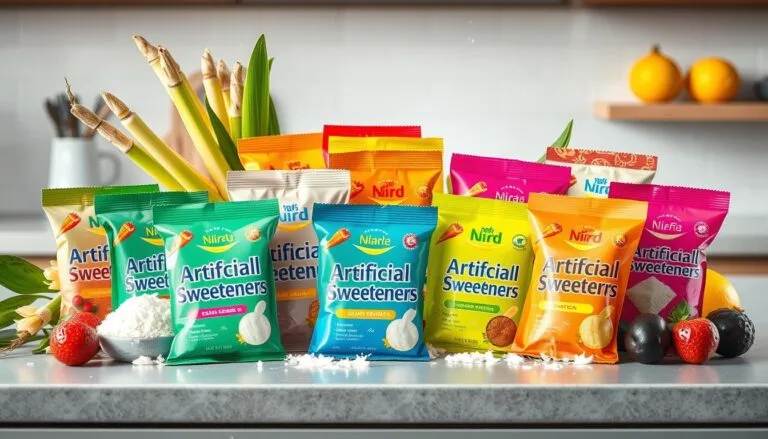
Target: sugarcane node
x,y
172,77
86,116
224,75
117,106
207,66
149,51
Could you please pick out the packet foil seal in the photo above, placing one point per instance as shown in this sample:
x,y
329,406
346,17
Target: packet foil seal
x,y
594,171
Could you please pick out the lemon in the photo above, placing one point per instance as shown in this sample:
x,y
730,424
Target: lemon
x,y
655,78
719,293
713,80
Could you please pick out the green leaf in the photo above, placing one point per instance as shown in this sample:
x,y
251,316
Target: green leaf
x,y
256,92
22,277
274,122
8,307
679,313
226,144
44,343
562,141
565,136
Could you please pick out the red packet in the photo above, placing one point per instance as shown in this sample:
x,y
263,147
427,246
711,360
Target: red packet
x,y
366,131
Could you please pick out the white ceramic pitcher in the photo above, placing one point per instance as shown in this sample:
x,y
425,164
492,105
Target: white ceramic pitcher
x,y
75,163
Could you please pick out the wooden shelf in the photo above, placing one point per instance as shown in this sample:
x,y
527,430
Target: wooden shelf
x,y
683,112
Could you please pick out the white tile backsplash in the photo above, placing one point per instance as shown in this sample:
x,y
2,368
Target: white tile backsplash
x,y
496,81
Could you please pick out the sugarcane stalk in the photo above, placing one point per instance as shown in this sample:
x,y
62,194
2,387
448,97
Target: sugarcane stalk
x,y
222,71
127,146
204,142
152,55
212,88
189,177
235,109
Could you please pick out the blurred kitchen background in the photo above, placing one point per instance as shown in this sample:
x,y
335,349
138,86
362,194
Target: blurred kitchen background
x,y
492,80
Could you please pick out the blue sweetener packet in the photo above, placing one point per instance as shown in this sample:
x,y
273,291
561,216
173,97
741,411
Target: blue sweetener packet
x,y
372,264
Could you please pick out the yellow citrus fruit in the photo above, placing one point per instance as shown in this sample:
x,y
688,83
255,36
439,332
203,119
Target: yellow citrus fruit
x,y
713,80
655,77
719,293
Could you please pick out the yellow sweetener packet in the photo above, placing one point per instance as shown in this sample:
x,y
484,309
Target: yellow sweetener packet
x,y
479,268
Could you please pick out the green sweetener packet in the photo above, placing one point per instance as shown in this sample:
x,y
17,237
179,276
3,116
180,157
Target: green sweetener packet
x,y
135,247
223,302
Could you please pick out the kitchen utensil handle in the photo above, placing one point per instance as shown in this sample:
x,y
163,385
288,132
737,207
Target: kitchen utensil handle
x,y
116,169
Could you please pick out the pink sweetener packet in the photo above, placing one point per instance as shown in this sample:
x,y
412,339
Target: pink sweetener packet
x,y
505,179
670,265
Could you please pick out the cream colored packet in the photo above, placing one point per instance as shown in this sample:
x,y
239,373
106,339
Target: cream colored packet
x,y
294,246
82,251
592,172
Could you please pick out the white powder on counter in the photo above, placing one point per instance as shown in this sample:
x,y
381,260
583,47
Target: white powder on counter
x,y
312,361
143,361
470,358
144,316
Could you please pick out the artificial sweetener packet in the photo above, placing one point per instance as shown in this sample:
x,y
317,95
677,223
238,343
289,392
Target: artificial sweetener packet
x,y
135,248
82,253
505,179
390,170
366,131
287,151
294,247
594,171
371,268
479,267
670,265
583,250
223,305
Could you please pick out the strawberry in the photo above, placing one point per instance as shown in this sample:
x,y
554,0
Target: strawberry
x,y
74,343
695,340
87,318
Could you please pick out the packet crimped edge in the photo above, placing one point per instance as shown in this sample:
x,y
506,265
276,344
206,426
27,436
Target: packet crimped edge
x,y
367,131
299,147
549,178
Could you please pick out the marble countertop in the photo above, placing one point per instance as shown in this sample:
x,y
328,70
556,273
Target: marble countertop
x,y
31,236
37,390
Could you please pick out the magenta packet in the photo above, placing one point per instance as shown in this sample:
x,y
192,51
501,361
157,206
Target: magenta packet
x,y
670,265
506,179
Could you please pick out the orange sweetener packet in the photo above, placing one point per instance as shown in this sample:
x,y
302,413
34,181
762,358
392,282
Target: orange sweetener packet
x,y
583,251
283,152
390,170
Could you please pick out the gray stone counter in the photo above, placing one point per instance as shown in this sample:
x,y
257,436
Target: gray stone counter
x,y
36,390
39,390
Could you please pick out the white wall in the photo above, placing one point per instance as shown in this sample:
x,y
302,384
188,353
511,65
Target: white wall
x,y
491,81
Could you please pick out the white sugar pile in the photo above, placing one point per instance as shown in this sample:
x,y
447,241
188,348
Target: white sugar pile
x,y
144,316
312,361
469,358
